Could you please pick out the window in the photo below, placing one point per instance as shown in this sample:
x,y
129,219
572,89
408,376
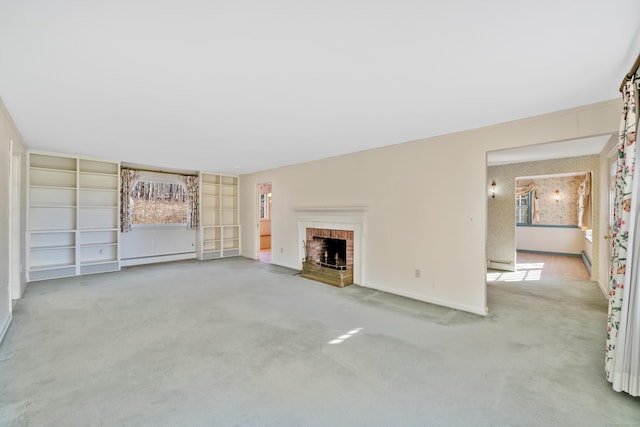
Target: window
x,y
265,206
523,209
157,202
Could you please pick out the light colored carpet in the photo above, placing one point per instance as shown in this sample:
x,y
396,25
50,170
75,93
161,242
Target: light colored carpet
x,y
241,343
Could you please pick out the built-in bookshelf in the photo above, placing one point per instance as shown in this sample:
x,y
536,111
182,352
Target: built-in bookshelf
x,y
219,216
73,216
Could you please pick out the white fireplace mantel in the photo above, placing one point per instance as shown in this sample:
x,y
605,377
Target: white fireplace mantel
x,y
332,209
350,218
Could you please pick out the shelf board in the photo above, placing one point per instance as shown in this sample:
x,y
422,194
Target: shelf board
x,y
72,187
110,190
98,261
98,229
39,168
98,207
50,266
52,206
51,231
45,248
97,173
97,245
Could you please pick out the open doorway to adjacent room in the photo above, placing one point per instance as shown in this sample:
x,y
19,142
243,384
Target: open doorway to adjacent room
x,y
538,224
264,218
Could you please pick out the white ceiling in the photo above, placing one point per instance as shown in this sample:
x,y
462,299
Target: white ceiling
x,y
246,85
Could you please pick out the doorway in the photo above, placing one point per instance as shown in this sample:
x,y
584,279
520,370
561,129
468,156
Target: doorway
x,y
265,191
504,166
15,259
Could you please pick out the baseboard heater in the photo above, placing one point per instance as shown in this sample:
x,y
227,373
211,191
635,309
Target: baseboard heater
x,y
501,265
586,260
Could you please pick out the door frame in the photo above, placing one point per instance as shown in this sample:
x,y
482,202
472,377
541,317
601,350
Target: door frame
x,y
257,217
612,159
16,155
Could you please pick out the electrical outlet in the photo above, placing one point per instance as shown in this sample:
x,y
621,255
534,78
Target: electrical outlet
x,y
417,273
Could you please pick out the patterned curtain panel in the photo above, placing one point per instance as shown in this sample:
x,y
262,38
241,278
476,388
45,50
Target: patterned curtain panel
x,y
128,178
583,198
193,216
622,359
531,188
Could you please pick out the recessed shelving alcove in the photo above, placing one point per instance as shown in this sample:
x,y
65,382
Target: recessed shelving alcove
x,y
73,216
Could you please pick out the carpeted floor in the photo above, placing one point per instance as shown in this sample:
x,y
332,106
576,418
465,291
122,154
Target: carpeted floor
x,y
237,342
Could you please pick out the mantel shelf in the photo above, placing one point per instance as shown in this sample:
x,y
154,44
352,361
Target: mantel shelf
x,y
329,209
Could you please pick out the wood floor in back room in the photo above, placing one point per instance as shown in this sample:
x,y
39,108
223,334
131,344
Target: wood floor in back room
x,y
531,267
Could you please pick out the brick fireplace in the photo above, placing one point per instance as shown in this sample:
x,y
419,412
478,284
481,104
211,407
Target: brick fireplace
x,y
331,248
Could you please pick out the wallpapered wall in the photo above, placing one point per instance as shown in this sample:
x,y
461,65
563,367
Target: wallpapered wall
x,y
501,222
552,212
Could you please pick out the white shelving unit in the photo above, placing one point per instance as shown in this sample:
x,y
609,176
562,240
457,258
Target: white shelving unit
x,y
73,216
219,216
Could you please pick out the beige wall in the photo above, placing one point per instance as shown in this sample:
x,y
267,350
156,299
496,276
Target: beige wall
x,y
9,137
426,201
546,239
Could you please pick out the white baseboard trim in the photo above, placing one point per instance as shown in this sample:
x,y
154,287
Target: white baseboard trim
x,y
5,327
586,260
443,303
155,259
292,267
436,301
604,290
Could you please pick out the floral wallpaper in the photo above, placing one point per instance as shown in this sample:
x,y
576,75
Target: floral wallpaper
x,y
552,212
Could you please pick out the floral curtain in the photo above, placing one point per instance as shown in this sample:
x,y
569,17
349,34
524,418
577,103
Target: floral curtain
x,y
622,353
531,188
583,198
193,216
128,178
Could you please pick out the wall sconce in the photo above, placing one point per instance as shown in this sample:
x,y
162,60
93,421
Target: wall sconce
x,y
493,189
556,196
